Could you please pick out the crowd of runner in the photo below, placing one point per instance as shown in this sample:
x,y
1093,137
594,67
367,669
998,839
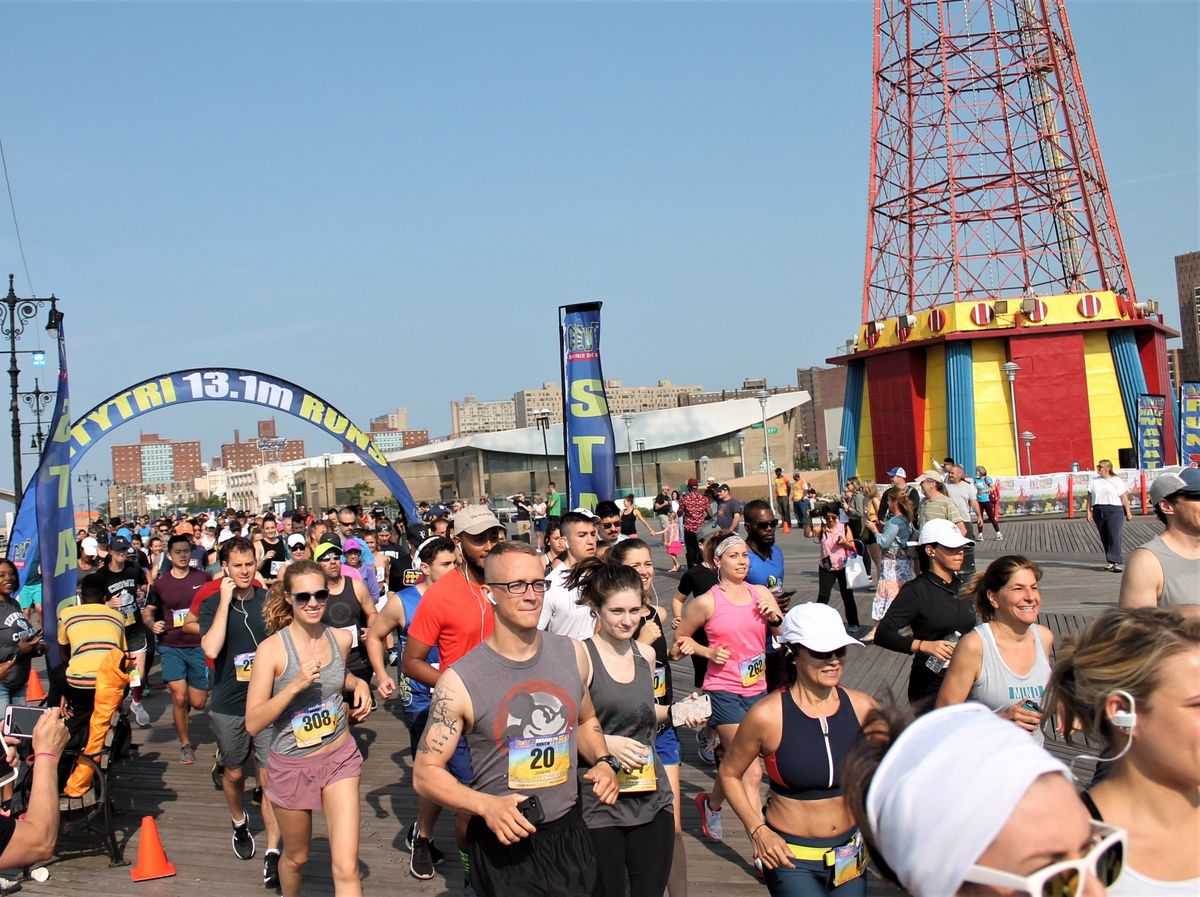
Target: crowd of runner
x,y
534,676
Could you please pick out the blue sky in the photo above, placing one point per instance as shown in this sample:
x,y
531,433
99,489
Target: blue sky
x,y
387,202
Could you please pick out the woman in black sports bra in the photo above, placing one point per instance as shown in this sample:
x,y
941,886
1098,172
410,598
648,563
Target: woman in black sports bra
x,y
802,734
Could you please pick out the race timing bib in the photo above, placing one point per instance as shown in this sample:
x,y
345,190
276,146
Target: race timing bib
x,y
752,669
660,681
353,630
315,723
275,565
179,617
636,781
243,664
539,762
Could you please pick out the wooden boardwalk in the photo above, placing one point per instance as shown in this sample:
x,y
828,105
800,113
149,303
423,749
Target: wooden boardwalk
x,y
194,823
1061,536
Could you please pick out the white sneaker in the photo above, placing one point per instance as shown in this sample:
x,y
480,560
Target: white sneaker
x,y
710,819
140,714
999,536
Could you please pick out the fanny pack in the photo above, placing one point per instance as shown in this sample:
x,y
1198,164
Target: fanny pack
x,y
845,863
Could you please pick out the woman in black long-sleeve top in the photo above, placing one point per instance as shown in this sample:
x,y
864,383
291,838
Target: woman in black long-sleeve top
x,y
931,607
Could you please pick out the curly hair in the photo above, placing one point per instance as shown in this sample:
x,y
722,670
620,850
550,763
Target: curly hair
x,y
277,610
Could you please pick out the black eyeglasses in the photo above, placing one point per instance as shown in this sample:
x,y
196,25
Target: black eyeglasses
x,y
616,524
302,598
765,524
519,587
839,653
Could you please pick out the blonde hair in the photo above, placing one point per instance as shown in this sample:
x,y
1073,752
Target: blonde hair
x,y
277,610
1122,650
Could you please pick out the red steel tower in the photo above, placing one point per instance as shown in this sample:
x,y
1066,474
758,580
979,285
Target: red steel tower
x,y
997,299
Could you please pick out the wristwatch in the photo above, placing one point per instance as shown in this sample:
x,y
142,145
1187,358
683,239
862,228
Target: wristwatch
x,y
610,760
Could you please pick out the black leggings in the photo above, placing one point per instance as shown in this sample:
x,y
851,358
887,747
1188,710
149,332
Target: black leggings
x,y
825,581
694,555
638,854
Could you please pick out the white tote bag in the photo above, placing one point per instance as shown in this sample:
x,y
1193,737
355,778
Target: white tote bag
x,y
856,573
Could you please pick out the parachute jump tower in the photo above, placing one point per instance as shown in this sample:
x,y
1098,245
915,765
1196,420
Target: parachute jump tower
x,y
992,242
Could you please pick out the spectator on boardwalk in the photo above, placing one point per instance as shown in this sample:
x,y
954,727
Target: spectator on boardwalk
x,y
931,606
31,838
1129,681
1166,570
1034,839
836,542
1004,662
695,508
895,566
898,476
936,504
1108,506
987,494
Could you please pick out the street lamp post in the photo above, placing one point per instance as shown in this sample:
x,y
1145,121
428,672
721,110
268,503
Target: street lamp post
x,y
542,417
36,400
19,313
641,447
1010,369
627,419
741,436
841,456
328,503
762,395
1028,438
87,479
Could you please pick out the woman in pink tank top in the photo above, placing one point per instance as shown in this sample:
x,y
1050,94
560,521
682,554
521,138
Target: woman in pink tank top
x,y
735,616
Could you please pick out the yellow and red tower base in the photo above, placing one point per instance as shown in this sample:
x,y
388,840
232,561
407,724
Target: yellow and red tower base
x,y
933,384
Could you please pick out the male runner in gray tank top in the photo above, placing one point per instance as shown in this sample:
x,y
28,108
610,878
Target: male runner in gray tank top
x,y
1165,572
521,701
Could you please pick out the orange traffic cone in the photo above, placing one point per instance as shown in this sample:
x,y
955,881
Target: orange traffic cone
x,y
34,693
152,860
787,527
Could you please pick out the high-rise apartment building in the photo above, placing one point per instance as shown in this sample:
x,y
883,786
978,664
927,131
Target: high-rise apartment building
x,y
621,399
1187,278
155,460
242,455
821,418
472,416
390,422
395,440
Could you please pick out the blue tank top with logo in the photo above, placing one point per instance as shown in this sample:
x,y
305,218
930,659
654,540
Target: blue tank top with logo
x,y
413,695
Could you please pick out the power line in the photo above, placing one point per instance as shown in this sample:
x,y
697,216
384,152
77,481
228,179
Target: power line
x,y
16,227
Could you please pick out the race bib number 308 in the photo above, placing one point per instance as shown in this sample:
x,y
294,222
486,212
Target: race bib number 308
x,y
313,724
540,762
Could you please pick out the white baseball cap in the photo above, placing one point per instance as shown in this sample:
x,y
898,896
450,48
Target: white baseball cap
x,y
942,532
90,546
585,512
815,626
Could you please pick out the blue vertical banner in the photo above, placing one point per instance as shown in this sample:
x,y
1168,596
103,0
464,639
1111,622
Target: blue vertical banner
x,y
1151,415
591,450
1189,425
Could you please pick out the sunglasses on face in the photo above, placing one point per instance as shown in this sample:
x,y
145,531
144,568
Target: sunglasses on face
x,y
303,598
1104,859
766,524
839,653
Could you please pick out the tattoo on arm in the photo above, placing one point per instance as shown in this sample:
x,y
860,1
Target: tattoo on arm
x,y
441,733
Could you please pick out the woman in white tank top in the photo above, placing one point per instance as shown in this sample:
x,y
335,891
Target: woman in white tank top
x,y
1003,662
1130,682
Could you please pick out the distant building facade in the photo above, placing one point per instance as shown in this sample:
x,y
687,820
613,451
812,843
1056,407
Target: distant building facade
x,y
821,419
621,399
1187,279
155,460
472,416
267,446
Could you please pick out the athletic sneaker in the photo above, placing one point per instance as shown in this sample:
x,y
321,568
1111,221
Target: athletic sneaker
x,y
271,869
999,536
706,744
140,714
410,836
243,841
256,797
391,657
218,772
710,819
187,754
420,861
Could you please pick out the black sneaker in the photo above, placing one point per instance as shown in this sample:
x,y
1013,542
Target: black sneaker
x,y
243,841
256,797
271,869
438,856
420,861
410,836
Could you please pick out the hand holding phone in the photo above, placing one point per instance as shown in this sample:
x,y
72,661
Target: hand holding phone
x,y
20,721
697,708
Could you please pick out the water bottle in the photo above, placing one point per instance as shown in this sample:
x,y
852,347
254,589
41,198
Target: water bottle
x,y
936,663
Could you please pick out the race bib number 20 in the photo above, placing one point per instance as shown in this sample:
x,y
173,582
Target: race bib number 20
x,y
539,762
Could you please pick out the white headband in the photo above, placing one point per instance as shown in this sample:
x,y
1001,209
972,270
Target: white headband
x,y
981,763
728,543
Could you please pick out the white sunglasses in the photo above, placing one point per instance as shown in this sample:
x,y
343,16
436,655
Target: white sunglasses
x,y
1104,860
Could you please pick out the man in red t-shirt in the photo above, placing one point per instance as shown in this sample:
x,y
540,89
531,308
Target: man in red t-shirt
x,y
695,508
454,616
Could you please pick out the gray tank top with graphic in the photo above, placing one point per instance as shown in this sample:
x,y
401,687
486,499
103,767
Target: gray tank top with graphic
x,y
524,737
316,716
998,687
1181,576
